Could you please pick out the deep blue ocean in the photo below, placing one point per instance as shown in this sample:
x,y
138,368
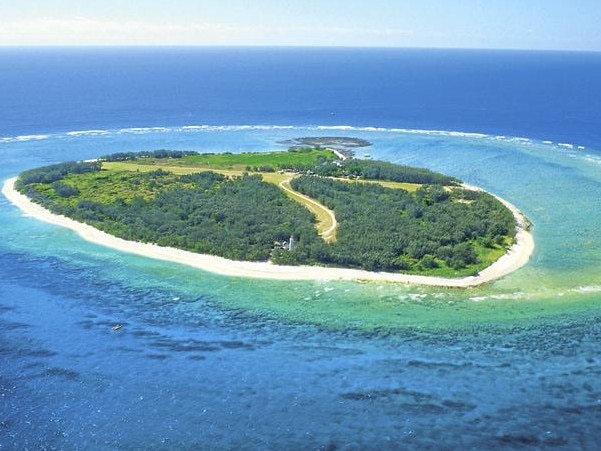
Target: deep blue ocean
x,y
550,95
213,362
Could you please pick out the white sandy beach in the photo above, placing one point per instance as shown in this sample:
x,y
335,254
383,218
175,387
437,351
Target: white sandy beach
x,y
516,257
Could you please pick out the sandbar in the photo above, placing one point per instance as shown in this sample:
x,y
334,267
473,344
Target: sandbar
x,y
516,256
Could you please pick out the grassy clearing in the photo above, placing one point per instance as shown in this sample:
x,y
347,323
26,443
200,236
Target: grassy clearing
x,y
274,178
165,166
411,187
240,161
270,177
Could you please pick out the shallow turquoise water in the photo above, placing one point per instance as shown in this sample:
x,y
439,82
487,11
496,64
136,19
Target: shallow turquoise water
x,y
216,362
556,187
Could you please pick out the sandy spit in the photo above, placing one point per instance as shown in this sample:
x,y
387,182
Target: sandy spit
x,y
516,257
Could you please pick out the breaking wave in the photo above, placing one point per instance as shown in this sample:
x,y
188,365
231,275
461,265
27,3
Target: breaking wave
x,y
24,138
314,128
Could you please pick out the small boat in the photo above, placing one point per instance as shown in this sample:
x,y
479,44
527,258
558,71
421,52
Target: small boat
x,y
117,326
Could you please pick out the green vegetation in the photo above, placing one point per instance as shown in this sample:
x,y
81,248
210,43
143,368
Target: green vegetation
x,y
432,231
237,218
381,170
56,172
156,154
354,213
248,161
326,220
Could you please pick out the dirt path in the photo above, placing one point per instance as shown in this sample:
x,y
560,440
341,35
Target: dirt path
x,y
326,220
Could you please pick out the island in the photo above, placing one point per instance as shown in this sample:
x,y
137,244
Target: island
x,y
309,212
344,146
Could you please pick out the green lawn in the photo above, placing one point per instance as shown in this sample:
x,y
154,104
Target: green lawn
x,y
411,187
240,161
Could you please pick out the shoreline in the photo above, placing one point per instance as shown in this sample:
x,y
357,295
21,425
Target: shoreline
x,y
515,257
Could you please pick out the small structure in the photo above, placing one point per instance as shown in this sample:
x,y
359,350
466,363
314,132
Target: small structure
x,y
284,245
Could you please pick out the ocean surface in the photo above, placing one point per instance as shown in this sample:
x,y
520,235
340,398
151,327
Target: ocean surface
x,y
212,362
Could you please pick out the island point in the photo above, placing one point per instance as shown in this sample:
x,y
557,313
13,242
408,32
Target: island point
x,y
312,212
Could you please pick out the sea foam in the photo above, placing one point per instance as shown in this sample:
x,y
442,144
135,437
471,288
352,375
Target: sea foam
x,y
88,133
23,138
301,130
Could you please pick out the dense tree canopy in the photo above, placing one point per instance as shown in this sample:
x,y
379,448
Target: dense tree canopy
x,y
392,229
56,172
440,226
205,212
373,170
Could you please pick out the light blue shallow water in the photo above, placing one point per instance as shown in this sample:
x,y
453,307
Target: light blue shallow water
x,y
190,369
